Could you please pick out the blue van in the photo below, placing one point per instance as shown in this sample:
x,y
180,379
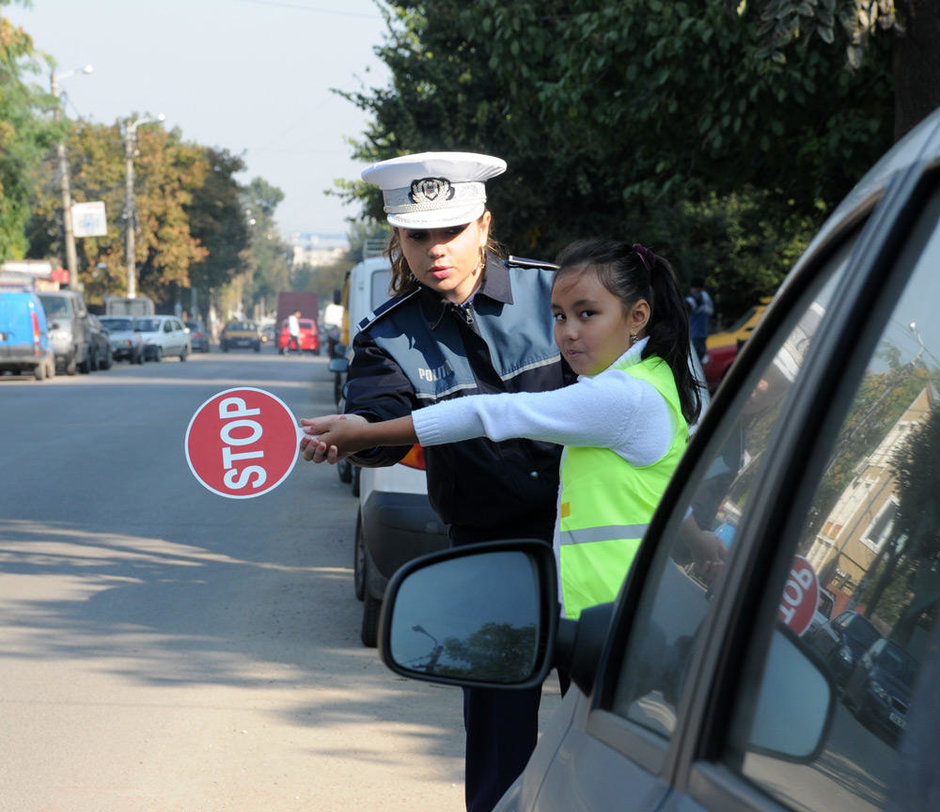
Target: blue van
x,y
24,335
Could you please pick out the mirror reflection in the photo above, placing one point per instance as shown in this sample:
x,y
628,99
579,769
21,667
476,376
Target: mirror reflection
x,y
476,617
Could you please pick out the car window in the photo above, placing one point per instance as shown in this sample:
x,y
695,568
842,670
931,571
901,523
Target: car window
x,y
683,576
871,536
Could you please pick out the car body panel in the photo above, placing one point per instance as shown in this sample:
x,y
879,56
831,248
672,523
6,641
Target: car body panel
x,y
198,335
127,343
240,335
67,318
25,345
309,336
163,335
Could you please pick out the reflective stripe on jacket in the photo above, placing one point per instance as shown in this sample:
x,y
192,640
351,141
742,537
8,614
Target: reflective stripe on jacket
x,y
606,504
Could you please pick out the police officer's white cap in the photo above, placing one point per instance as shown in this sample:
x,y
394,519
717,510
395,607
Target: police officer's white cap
x,y
434,189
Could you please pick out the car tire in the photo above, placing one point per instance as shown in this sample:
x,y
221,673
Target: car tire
x,y
50,369
183,354
371,608
108,360
356,472
39,371
87,365
258,347
344,471
359,562
70,366
157,354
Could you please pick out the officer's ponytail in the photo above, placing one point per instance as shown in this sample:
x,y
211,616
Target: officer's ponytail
x,y
634,272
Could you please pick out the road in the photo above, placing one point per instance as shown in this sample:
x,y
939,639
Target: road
x,y
164,648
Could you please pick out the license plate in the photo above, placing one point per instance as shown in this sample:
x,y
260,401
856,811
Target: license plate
x,y
897,719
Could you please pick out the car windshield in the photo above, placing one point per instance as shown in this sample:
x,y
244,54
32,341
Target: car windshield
x,y
861,630
118,324
54,305
241,325
148,325
899,664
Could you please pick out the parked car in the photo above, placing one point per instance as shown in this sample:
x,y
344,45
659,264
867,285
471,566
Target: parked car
x,y
695,694
69,329
309,337
722,347
824,607
100,356
394,520
240,335
25,345
267,334
879,690
198,335
843,640
127,342
163,335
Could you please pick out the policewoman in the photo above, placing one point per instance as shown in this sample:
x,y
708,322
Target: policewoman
x,y
464,321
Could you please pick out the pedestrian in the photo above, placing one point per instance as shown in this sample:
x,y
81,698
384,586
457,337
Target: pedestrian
x,y
293,331
701,309
462,321
621,323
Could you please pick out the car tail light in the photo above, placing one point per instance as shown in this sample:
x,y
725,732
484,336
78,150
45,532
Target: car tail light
x,y
36,333
414,458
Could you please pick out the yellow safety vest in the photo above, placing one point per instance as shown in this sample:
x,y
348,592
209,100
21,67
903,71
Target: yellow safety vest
x,y
606,504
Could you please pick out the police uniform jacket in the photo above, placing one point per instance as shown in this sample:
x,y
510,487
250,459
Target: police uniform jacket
x,y
418,349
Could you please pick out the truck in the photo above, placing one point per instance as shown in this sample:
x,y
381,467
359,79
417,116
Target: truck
x,y
309,306
128,306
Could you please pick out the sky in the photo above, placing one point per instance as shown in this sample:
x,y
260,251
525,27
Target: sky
x,y
249,76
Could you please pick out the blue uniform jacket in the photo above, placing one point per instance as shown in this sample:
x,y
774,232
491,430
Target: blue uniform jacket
x,y
418,349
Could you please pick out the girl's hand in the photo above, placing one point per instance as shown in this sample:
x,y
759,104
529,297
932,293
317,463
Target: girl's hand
x,y
330,438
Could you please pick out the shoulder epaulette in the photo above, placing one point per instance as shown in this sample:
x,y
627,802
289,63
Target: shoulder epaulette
x,y
385,307
522,262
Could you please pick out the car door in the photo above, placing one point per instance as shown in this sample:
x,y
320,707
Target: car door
x,y
828,425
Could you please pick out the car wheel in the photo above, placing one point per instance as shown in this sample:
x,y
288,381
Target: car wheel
x,y
157,354
371,607
39,371
183,354
344,471
70,366
87,365
50,369
108,360
258,347
359,562
355,480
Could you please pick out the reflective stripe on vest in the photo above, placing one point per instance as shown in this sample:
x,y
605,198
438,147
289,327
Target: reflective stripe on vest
x,y
606,503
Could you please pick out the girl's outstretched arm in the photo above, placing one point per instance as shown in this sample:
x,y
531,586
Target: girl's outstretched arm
x,y
333,437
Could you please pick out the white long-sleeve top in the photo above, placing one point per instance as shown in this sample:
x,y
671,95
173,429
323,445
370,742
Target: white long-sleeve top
x,y
609,410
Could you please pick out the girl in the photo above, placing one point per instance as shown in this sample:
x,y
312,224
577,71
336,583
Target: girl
x,y
621,323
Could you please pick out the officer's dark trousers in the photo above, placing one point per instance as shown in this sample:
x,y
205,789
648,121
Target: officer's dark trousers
x,y
502,729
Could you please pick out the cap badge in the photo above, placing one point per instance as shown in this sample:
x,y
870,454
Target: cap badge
x,y
427,190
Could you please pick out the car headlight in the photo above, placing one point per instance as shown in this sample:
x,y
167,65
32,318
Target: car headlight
x,y
878,690
845,654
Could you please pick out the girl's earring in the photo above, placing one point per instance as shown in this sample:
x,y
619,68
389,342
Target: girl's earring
x,y
633,338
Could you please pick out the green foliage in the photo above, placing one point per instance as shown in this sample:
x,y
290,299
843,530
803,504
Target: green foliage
x,y
26,134
266,264
657,121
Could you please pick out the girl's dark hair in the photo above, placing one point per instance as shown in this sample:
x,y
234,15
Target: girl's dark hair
x,y
403,280
632,274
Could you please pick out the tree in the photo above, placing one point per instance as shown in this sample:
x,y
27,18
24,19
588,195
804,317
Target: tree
x,y
26,134
267,269
167,172
646,119
913,25
217,220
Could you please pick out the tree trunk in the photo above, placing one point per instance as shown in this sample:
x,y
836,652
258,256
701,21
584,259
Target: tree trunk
x,y
916,63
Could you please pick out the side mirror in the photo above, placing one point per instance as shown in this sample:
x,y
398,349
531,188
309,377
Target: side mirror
x,y
438,625
795,703
339,364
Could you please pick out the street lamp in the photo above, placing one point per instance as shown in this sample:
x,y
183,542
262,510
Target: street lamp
x,y
130,207
71,258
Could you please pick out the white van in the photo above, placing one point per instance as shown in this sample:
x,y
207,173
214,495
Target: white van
x,y
395,522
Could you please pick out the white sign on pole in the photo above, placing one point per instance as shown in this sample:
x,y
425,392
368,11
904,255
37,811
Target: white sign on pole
x,y
89,220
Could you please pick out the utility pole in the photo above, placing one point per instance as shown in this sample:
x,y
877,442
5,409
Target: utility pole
x,y
130,206
71,256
